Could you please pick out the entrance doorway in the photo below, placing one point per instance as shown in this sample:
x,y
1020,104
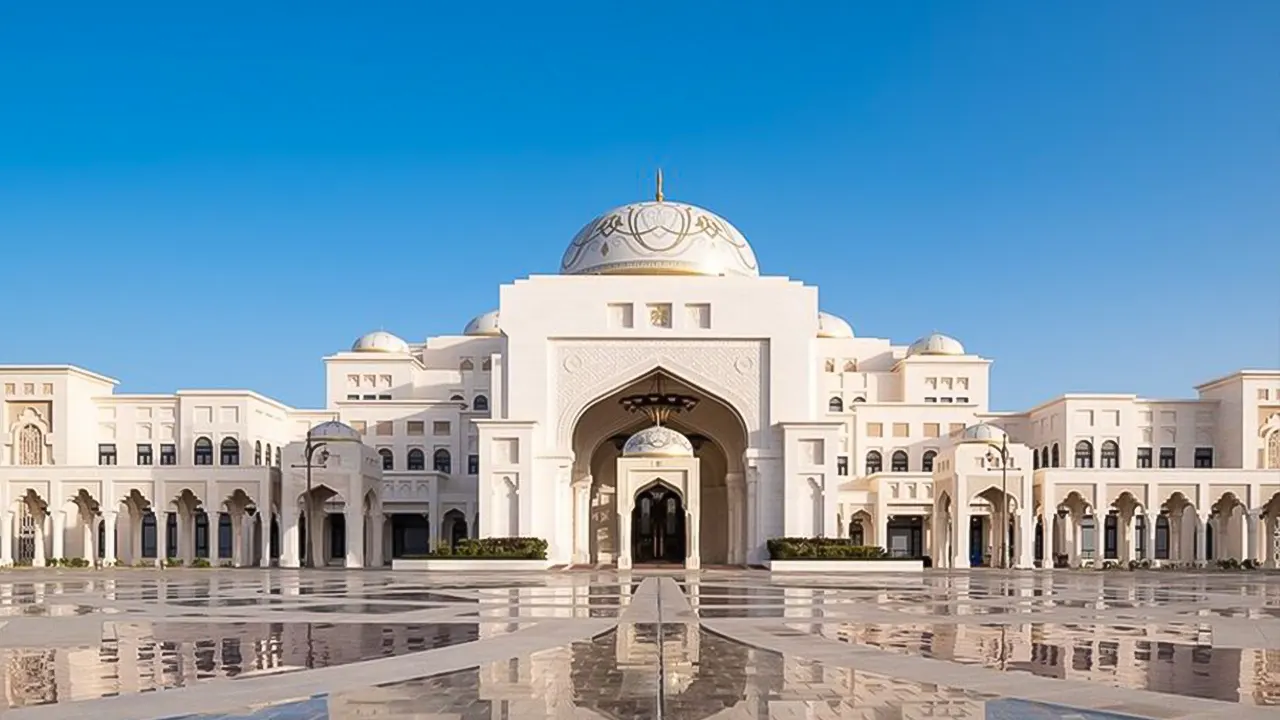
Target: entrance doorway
x,y
657,527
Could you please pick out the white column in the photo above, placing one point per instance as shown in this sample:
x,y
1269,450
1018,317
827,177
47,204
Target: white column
x,y
109,533
237,539
354,514
1027,538
215,537
1251,535
433,515
582,521
960,535
375,541
59,534
1127,550
1075,526
6,537
88,537
186,528
289,535
753,502
162,536
264,537
1202,532
38,559
1149,527
733,499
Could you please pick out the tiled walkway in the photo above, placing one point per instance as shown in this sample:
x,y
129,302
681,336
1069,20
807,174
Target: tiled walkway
x,y
286,645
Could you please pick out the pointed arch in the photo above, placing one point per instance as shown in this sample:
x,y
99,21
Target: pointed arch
x,y
1084,454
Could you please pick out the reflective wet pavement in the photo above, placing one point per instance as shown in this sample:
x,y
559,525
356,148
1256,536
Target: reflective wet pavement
x,y
718,644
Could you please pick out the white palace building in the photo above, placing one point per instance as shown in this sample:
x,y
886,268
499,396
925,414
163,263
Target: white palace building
x,y
659,400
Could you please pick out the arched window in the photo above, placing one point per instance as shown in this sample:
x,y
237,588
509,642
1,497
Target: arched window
x,y
1162,537
1109,456
857,535
1054,456
204,451
486,365
416,460
388,459
441,461
230,452
1035,460
268,456
457,398
859,398
1044,456
898,463
875,463
30,446
480,404
926,463
257,452
835,405
277,457
1084,454
1273,450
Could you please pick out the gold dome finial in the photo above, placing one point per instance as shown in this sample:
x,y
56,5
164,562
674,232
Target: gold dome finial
x,y
658,195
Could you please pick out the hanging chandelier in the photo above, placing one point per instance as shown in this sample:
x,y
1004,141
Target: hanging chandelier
x,y
658,404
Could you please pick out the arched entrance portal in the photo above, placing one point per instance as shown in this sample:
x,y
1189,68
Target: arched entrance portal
x,y
657,526
719,438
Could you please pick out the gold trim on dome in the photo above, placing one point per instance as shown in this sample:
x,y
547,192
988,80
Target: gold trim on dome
x,y
647,237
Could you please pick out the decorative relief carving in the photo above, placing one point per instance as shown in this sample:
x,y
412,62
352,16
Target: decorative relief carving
x,y
592,369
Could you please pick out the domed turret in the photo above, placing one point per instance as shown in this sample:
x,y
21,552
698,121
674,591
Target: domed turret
x,y
335,431
380,341
936,344
831,326
984,433
658,441
485,325
659,238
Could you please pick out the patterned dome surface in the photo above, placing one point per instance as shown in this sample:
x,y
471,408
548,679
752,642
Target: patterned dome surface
x,y
380,341
335,430
485,324
936,344
659,238
658,441
983,432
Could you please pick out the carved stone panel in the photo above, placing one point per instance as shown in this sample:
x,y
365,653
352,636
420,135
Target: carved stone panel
x,y
733,370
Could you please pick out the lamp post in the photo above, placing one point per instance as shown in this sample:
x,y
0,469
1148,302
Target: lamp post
x,y
308,453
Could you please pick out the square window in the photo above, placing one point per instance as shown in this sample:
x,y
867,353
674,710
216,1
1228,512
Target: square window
x,y
875,429
107,454
416,427
168,454
360,426
440,428
1168,457
473,464
931,430
659,315
144,454
842,465
384,428
901,430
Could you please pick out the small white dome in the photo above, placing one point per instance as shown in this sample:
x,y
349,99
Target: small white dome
x,y
485,325
830,326
332,430
936,344
380,341
983,433
658,441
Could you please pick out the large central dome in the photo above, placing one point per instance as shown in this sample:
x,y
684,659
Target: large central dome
x,y
659,238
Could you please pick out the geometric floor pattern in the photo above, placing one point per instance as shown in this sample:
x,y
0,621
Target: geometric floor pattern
x,y
318,645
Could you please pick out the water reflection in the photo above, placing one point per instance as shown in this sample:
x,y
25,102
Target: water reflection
x,y
144,657
1169,658
615,675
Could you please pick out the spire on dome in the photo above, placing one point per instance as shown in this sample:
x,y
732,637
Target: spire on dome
x,y
658,195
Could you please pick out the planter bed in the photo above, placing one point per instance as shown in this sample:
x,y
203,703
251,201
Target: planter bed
x,y
468,564
842,567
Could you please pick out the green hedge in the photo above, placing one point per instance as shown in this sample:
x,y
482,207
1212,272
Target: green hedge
x,y
795,548
498,548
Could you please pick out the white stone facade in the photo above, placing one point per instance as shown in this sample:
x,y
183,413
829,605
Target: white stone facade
x,y
514,428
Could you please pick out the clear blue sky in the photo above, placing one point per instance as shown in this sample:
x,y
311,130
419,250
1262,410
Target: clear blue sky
x,y
216,195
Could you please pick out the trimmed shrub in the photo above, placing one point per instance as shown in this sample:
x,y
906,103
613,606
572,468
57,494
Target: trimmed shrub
x,y
793,548
200,563
497,548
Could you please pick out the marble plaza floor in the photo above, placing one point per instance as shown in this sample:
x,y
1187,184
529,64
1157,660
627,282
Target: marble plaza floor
x,y
289,645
